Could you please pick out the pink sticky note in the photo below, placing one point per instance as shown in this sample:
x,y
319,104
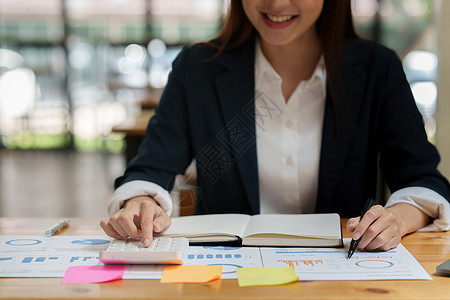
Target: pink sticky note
x,y
93,274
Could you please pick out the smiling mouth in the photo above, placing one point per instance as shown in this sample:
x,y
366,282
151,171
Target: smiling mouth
x,y
279,19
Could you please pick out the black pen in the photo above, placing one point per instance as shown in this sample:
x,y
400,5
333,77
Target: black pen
x,y
353,243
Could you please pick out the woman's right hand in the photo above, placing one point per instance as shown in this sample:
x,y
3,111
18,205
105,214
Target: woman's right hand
x,y
138,218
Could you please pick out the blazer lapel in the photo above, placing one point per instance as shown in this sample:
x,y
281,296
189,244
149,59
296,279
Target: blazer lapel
x,y
335,145
235,89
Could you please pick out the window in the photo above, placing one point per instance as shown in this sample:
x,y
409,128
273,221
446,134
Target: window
x,y
87,64
410,28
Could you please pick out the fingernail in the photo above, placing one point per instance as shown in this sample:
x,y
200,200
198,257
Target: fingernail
x,y
156,227
356,235
146,242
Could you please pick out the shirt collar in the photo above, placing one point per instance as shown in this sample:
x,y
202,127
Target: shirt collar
x,y
263,67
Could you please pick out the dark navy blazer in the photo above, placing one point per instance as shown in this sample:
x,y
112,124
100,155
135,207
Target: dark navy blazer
x,y
207,112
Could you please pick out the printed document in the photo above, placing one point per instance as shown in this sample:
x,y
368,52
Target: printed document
x,y
332,264
40,256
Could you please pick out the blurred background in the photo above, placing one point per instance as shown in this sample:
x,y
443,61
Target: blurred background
x,y
79,79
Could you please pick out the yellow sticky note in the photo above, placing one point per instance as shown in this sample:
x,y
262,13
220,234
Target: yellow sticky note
x,y
191,273
265,276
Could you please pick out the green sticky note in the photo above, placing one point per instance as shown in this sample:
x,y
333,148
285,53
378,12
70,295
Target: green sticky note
x,y
265,276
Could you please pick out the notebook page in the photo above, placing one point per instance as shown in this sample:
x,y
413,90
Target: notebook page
x,y
206,225
306,225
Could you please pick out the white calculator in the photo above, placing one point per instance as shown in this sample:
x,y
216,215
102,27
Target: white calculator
x,y
163,250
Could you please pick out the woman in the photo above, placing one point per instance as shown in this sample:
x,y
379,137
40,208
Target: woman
x,y
287,111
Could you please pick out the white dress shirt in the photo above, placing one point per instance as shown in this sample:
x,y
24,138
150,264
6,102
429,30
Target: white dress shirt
x,y
288,139
288,136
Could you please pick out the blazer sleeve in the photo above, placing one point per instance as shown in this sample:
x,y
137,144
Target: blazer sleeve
x,y
407,159
166,149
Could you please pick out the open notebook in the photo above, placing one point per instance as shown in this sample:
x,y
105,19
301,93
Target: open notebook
x,y
290,230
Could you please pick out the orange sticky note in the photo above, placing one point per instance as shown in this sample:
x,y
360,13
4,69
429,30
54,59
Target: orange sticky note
x,y
191,273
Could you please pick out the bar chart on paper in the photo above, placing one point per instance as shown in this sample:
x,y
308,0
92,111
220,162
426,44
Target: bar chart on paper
x,y
230,258
331,264
298,263
35,256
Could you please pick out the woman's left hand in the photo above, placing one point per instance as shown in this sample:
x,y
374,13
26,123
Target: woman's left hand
x,y
382,228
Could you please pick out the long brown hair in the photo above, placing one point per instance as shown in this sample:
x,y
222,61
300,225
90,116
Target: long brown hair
x,y
335,24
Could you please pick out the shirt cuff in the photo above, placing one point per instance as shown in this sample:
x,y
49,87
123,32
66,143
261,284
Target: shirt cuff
x,y
428,201
140,188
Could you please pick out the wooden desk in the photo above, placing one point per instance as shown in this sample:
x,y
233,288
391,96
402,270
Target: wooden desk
x,y
430,249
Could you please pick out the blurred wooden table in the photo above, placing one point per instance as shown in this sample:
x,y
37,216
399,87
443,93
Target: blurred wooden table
x,y
430,249
134,130
135,126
